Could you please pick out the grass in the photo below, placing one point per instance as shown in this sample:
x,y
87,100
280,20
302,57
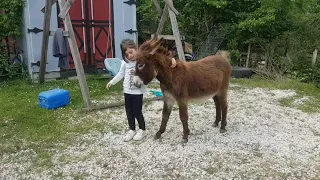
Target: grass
x,y
311,105
24,125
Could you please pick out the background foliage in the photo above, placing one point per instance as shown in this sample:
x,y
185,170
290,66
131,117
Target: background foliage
x,y
10,27
283,33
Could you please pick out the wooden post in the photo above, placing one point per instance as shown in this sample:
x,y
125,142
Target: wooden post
x,y
170,6
174,25
45,40
65,9
162,19
76,56
52,3
121,103
175,31
314,57
158,8
248,55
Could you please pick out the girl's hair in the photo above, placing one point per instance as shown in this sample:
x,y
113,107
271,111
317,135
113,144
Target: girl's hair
x,y
126,44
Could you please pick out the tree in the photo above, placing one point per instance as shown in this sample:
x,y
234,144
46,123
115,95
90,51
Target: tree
x,y
10,26
285,31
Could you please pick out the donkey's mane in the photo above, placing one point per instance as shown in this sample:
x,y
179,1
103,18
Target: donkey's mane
x,y
148,46
161,52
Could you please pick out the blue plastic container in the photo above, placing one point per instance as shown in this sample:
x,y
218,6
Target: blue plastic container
x,y
54,98
157,93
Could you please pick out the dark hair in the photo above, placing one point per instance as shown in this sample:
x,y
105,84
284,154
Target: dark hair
x,y
126,44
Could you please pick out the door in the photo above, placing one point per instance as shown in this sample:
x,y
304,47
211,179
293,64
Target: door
x,y
92,22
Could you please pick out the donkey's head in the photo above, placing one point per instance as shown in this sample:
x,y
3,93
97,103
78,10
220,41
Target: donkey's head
x,y
148,58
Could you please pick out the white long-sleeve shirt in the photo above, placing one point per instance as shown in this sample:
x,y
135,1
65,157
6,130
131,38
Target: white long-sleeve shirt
x,y
127,70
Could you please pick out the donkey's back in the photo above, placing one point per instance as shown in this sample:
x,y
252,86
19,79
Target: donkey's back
x,y
215,63
206,77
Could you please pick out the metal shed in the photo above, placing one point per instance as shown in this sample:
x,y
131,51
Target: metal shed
x,y
99,27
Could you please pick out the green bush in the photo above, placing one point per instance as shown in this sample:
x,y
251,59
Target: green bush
x,y
10,26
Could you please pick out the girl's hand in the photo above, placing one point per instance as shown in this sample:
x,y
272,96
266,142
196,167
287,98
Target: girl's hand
x,y
108,86
173,63
132,72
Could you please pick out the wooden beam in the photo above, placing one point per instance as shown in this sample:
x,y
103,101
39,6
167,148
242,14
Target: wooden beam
x,y
167,37
158,8
52,3
163,19
175,30
77,60
65,9
121,103
45,40
65,33
170,5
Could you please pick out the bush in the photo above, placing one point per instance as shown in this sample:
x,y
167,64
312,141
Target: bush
x,y
10,26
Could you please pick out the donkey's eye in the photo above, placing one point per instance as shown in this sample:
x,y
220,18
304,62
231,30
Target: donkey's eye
x,y
141,66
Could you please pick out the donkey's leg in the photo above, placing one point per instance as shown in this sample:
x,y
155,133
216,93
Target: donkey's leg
x,y
224,108
218,111
183,112
168,103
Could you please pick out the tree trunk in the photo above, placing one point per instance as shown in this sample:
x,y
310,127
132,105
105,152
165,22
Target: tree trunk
x,y
314,57
248,55
269,54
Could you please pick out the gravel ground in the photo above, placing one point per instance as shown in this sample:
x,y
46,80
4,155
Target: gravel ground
x,y
264,141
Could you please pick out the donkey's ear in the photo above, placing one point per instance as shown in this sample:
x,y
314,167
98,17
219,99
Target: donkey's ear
x,y
147,45
156,45
155,37
153,51
161,40
152,45
153,40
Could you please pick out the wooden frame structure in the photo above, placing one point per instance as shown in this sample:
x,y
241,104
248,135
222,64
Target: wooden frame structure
x,y
64,14
169,9
65,5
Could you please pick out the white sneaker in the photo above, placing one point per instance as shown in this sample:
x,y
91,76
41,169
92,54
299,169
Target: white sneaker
x,y
140,134
129,135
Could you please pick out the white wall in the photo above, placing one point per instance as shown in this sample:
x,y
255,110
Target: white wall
x,y
32,43
124,19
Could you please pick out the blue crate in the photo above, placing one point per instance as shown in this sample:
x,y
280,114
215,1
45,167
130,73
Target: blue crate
x,y
157,93
54,98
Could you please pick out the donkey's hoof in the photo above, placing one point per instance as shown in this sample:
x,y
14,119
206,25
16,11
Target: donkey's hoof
x,y
184,141
215,124
157,136
223,130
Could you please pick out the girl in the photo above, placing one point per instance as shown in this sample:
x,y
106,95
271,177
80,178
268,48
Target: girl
x,y
133,93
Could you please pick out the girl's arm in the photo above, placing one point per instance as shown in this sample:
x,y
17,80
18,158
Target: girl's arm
x,y
173,63
120,74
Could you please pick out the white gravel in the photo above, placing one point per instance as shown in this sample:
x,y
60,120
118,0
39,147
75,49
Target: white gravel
x,y
264,141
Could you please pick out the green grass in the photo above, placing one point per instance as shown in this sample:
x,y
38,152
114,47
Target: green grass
x,y
312,105
24,125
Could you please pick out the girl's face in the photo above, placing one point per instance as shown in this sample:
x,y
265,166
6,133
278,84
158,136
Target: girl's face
x,y
131,54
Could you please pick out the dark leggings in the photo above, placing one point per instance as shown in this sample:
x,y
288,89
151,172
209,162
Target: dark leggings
x,y
133,105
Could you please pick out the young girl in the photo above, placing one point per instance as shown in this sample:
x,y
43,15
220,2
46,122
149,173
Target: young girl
x,y
133,93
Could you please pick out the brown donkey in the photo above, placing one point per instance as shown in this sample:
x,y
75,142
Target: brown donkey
x,y
188,81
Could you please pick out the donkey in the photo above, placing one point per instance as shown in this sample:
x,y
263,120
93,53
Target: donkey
x,y
188,81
